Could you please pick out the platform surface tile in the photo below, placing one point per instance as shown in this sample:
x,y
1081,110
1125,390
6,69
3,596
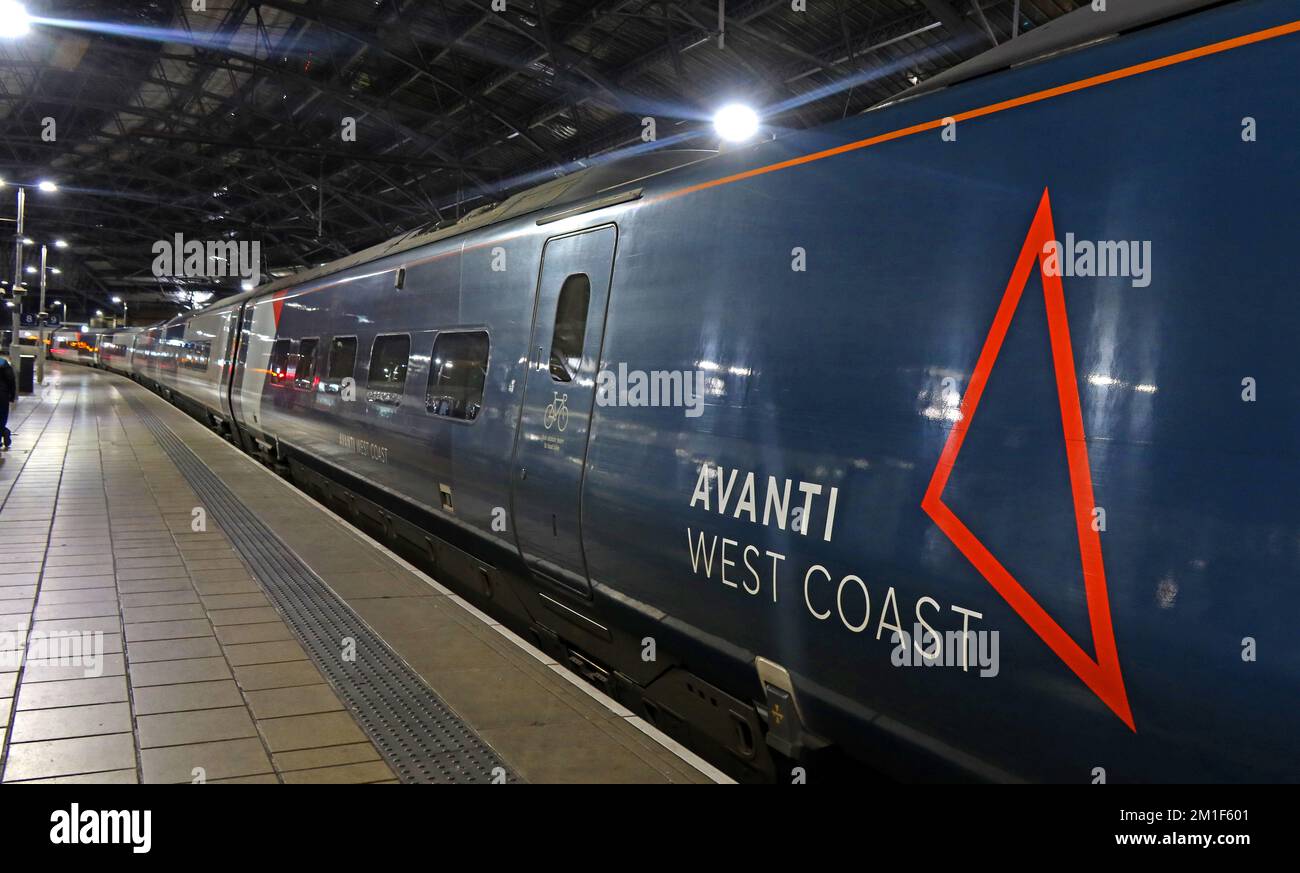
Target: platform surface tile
x,y
200,679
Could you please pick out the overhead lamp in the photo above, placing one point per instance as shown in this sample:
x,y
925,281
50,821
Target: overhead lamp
x,y
47,186
14,20
60,243
735,122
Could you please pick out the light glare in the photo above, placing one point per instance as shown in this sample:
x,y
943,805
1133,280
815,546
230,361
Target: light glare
x,y
735,122
14,20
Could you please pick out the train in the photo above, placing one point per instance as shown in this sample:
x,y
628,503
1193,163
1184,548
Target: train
x,y
952,441
77,346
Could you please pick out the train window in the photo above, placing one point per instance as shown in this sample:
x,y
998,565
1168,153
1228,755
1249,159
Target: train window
x,y
570,327
342,361
305,374
343,357
196,355
388,360
279,366
457,374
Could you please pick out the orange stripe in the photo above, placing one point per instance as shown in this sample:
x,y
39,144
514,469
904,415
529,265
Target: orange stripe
x,y
1035,97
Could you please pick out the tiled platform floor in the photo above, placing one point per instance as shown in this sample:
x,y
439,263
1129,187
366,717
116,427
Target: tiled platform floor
x,y
198,670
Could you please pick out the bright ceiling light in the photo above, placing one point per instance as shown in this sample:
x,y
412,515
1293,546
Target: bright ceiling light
x,y
14,20
735,122
47,185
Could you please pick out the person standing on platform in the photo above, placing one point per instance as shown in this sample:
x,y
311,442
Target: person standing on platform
x,y
8,394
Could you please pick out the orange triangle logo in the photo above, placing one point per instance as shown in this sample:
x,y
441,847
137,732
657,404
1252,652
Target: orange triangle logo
x,y
1103,675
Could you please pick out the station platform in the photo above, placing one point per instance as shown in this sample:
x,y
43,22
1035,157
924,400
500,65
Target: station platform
x,y
173,611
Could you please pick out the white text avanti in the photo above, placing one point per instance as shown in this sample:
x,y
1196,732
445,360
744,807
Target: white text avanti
x,y
737,493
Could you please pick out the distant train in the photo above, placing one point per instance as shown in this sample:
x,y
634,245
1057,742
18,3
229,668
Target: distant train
x,y
959,438
75,346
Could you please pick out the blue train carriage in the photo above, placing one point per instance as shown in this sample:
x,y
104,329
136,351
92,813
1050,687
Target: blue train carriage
x,y
956,438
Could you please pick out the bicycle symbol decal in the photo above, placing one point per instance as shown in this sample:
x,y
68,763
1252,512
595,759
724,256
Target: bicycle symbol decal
x,y
557,412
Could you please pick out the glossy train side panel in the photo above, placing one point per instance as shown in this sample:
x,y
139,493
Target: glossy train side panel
x,y
392,440
116,350
200,353
78,347
849,376
187,358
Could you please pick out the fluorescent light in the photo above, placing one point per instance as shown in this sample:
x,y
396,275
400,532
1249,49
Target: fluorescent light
x,y
735,122
14,19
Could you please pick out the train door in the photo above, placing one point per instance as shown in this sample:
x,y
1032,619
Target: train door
x,y
231,321
246,386
559,392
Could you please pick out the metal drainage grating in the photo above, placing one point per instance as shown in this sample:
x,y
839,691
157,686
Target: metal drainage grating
x,y
419,736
